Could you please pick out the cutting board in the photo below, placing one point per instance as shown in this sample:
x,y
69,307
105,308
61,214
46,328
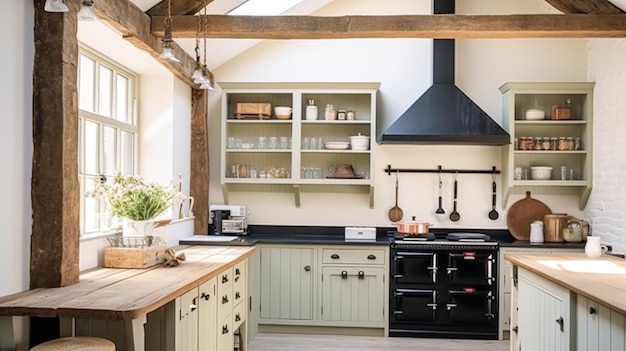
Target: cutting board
x,y
524,212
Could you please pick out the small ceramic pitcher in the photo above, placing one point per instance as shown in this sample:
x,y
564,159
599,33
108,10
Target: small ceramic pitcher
x,y
594,248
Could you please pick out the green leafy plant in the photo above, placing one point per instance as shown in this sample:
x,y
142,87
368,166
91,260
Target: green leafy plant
x,y
133,198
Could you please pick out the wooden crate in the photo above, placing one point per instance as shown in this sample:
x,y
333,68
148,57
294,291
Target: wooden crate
x,y
127,257
253,110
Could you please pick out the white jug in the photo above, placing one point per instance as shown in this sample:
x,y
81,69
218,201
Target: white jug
x,y
593,247
536,232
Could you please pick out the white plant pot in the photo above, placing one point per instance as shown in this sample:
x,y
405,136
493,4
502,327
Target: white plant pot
x,y
136,228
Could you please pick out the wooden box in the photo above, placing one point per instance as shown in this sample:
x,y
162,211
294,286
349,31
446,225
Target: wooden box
x,y
253,110
128,257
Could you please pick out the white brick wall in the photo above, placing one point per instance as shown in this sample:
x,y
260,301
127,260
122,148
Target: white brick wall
x,y
606,208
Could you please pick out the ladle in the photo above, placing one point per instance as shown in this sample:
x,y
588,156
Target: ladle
x,y
395,213
493,214
440,209
455,216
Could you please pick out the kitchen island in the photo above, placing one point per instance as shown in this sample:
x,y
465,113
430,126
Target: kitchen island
x,y
563,301
129,296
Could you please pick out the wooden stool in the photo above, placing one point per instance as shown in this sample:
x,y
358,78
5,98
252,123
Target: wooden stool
x,y
83,343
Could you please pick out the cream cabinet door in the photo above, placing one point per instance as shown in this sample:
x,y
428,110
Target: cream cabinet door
x,y
187,326
544,318
286,283
353,296
598,327
207,315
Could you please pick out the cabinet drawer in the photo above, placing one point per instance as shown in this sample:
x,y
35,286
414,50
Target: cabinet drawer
x,y
225,338
224,293
359,256
239,283
225,279
239,315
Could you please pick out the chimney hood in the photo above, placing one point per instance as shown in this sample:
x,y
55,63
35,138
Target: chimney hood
x,y
444,114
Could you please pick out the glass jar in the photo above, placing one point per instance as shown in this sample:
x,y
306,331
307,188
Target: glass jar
x,y
577,144
526,143
330,113
554,143
341,115
545,143
570,143
350,115
537,143
563,145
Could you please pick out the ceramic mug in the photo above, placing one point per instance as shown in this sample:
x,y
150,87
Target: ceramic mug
x,y
593,247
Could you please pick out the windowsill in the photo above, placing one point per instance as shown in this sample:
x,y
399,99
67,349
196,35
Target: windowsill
x,y
94,236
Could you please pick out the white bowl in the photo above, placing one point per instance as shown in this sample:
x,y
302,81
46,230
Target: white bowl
x,y
282,112
534,114
541,173
360,142
336,145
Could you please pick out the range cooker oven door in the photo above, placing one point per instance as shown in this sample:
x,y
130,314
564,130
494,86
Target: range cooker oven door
x,y
471,268
414,267
414,305
471,306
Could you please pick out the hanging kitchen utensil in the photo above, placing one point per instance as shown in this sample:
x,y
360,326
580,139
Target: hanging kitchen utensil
x,y
455,216
440,209
395,213
493,214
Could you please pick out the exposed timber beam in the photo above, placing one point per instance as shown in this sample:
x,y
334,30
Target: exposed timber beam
x,y
585,6
179,7
134,25
413,26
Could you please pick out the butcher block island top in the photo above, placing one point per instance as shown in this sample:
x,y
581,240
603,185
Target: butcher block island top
x,y
113,293
601,279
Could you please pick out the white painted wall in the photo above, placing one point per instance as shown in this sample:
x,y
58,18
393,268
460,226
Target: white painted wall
x,y
607,204
403,67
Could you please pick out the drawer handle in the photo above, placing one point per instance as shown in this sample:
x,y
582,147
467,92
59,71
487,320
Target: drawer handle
x,y
307,268
344,275
205,296
237,317
592,310
560,322
225,278
225,329
334,256
224,300
237,295
371,257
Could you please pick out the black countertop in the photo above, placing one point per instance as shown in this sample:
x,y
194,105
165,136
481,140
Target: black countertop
x,y
333,235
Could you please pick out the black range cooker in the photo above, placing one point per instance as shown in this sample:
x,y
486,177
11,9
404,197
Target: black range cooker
x,y
444,286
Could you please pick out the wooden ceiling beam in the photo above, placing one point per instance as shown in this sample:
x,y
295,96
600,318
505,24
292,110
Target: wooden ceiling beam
x,y
411,26
134,25
585,6
179,7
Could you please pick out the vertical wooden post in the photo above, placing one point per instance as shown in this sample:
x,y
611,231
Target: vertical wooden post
x,y
54,181
199,149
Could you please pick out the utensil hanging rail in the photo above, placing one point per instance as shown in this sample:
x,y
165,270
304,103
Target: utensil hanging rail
x,y
439,169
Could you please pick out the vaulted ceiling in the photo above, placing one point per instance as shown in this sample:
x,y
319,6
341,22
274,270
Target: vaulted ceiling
x,y
142,23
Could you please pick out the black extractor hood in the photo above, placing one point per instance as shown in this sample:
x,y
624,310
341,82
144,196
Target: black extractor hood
x,y
444,114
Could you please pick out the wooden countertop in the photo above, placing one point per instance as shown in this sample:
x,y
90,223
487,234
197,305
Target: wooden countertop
x,y
601,279
112,293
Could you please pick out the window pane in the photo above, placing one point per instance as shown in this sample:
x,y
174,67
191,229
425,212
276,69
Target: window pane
x,y
86,83
110,147
127,158
106,88
121,101
91,147
91,207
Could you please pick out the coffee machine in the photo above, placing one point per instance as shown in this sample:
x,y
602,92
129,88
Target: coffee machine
x,y
228,220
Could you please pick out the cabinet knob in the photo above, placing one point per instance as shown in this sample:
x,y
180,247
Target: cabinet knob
x,y
237,295
225,329
334,256
225,278
307,268
344,274
592,310
371,257
560,322
224,300
237,317
361,275
237,271
193,307
205,296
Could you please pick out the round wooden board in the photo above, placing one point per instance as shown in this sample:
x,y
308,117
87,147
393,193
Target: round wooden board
x,y
524,212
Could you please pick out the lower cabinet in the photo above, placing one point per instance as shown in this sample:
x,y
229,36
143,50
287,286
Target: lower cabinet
x,y
598,327
211,316
545,317
323,286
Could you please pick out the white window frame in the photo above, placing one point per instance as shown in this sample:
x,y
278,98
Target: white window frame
x,y
102,122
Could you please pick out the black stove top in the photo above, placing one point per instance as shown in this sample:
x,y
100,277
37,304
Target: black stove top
x,y
452,238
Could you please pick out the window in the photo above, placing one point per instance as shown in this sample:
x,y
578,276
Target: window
x,y
108,132
263,7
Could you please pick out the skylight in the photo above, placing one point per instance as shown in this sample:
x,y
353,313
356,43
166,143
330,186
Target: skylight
x,y
264,7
